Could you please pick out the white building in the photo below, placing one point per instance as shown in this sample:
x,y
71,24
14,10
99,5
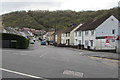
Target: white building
x,y
98,34
68,35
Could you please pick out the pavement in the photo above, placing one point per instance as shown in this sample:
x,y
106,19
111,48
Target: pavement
x,y
98,54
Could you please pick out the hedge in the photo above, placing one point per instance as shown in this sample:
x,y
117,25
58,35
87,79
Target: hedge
x,y
21,42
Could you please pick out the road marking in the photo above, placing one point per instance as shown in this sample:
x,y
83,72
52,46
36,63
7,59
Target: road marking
x,y
15,72
73,73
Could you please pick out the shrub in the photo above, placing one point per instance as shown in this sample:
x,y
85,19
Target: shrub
x,y
21,42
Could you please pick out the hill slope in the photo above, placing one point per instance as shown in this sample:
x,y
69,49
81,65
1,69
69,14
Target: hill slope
x,y
52,19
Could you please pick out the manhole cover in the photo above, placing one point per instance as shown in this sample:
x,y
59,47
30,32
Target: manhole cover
x,y
73,73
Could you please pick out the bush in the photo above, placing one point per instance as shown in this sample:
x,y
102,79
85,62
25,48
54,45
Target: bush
x,y
21,42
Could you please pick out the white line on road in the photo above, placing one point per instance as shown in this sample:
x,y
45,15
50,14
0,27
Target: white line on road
x,y
15,72
73,73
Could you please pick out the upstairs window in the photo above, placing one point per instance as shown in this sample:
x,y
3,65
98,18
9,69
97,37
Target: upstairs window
x,y
92,32
86,33
66,34
79,33
76,34
113,31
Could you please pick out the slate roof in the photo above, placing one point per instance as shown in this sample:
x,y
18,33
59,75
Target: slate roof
x,y
91,25
83,25
69,29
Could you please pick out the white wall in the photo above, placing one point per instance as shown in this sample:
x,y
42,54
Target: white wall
x,y
77,38
63,38
105,29
72,36
90,37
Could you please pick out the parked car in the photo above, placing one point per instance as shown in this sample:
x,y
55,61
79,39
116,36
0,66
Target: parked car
x,y
51,42
43,43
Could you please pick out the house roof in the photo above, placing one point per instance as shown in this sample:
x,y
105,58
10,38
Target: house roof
x,y
91,25
11,30
83,26
59,31
69,29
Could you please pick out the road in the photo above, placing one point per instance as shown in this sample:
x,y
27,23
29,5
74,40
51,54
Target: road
x,y
54,62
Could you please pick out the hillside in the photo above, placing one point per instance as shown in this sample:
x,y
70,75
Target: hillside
x,y
46,20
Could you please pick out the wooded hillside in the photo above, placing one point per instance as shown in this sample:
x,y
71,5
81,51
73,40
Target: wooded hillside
x,y
52,19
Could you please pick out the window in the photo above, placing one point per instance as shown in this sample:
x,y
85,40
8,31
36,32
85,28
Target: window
x,y
63,35
79,41
92,32
113,31
91,41
86,32
68,34
75,33
86,42
79,33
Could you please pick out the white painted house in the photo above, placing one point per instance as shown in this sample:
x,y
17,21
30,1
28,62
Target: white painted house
x,y
98,34
68,35
72,37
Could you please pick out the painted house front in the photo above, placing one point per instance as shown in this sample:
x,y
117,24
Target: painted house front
x,y
99,34
68,35
72,36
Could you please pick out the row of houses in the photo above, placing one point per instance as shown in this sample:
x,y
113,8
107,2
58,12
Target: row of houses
x,y
99,34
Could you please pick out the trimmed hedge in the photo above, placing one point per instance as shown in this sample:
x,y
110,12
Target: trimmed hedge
x,y
21,42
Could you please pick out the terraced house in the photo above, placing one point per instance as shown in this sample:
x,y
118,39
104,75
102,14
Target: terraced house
x,y
98,34
67,37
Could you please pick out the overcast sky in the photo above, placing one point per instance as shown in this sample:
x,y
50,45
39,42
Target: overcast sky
x,y
75,5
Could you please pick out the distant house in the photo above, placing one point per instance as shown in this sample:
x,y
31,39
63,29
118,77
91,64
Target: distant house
x,y
58,35
26,33
68,35
98,34
11,30
49,36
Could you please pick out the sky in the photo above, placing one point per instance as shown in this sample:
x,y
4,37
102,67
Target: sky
x,y
7,6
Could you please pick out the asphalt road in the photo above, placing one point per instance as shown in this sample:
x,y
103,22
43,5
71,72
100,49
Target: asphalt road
x,y
54,62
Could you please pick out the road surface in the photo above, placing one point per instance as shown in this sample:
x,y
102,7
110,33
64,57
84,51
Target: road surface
x,y
54,62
